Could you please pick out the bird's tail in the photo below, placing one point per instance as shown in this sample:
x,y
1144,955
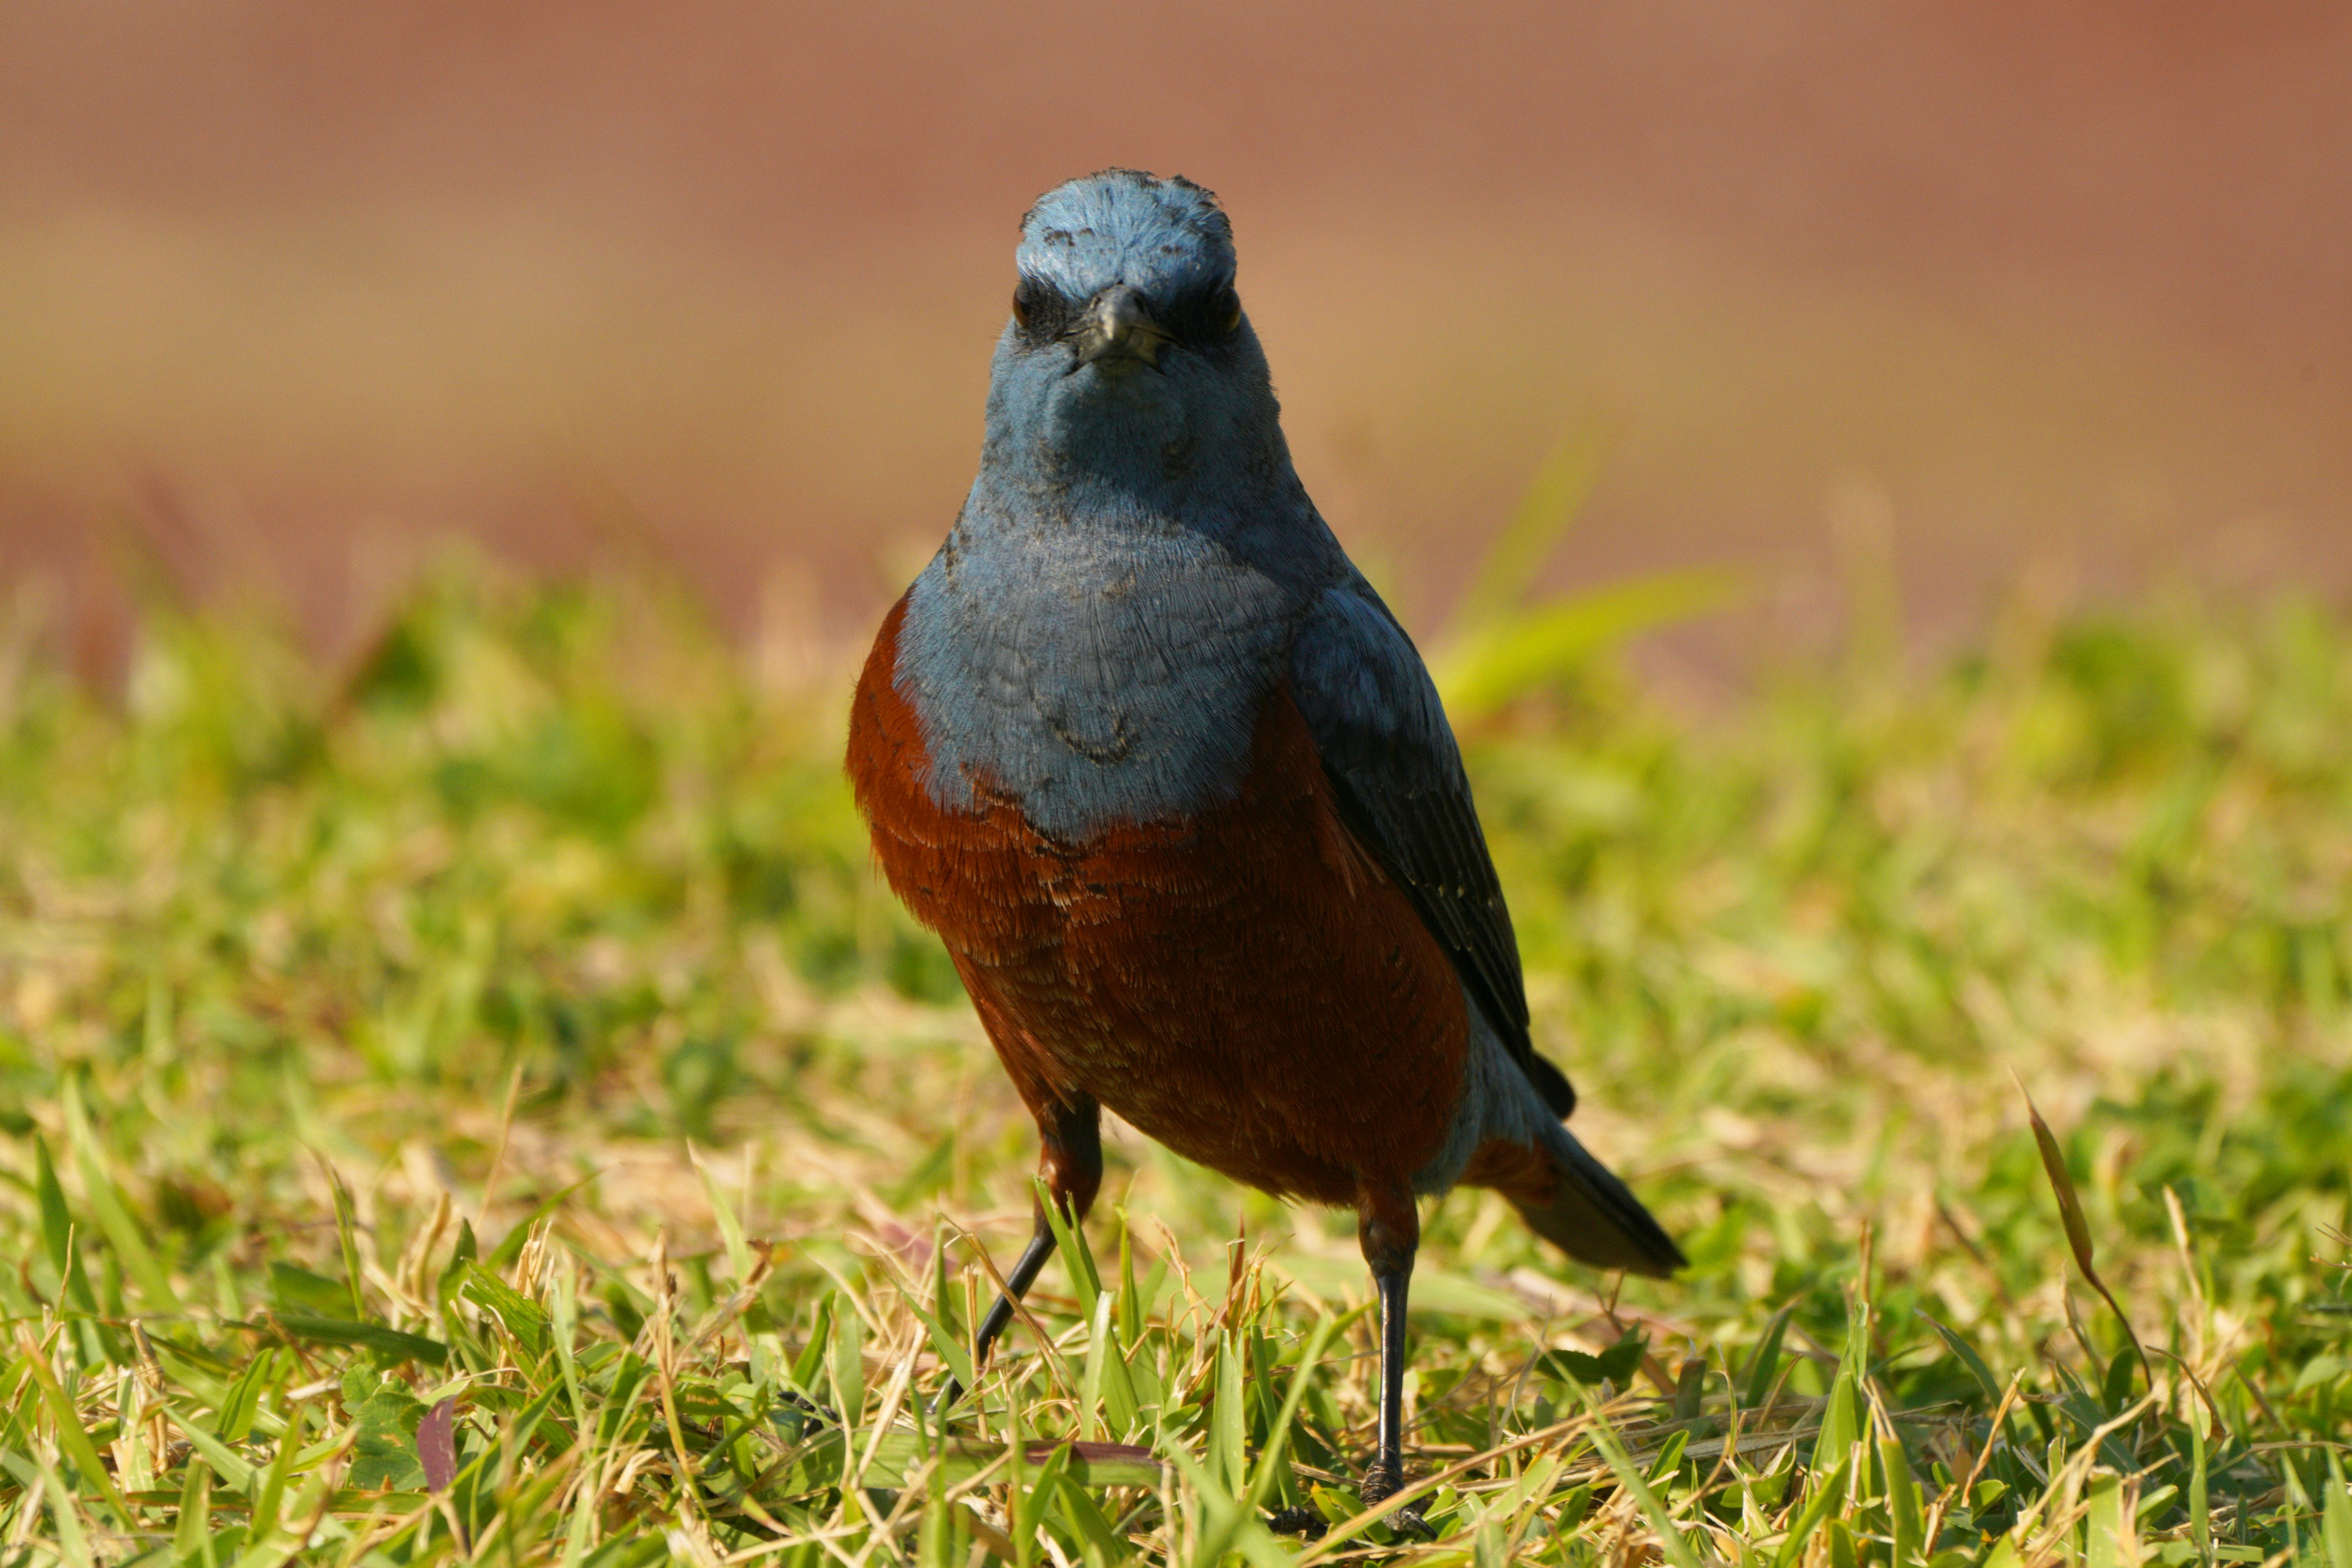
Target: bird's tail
x,y
1586,1211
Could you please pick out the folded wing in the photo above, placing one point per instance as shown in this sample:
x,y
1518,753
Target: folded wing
x,y
1397,774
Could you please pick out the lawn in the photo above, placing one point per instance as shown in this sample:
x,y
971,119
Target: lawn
x,y
480,1103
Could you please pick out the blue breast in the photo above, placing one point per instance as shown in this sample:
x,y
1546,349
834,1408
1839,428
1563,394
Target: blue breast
x,y
1097,675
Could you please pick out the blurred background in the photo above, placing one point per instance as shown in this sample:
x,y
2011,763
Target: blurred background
x,y
291,294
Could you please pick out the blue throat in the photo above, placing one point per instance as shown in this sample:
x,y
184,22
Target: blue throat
x,y
1098,635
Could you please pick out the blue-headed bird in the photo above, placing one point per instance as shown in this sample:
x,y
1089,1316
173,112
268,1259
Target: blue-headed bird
x,y
1176,791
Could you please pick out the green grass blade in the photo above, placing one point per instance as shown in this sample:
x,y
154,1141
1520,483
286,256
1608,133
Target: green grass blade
x,y
731,1229
1273,1460
268,1491
347,1236
1495,666
2200,1496
524,1320
1828,1492
1670,1539
124,1234
41,1482
225,1460
1966,1354
1555,495
57,1220
1227,1419
2105,1539
1902,1504
846,1365
1099,1349
1765,1366
1070,1242
194,1522
392,1342
951,1349
2336,1518
73,1441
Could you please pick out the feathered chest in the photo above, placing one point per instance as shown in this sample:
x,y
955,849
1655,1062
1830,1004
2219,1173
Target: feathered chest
x,y
1097,682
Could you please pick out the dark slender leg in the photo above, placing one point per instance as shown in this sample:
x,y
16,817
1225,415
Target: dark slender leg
x,y
1387,1475
1070,1159
1026,1270
1389,1229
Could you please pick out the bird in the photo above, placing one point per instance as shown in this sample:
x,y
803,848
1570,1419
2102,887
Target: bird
x,y
1176,791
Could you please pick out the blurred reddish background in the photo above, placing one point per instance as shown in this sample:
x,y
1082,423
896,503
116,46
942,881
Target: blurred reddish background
x,y
290,291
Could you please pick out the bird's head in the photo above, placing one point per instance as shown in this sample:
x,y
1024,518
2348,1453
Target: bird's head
x,y
1128,357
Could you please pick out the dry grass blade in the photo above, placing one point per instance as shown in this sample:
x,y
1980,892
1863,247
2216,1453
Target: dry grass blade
x,y
2078,1228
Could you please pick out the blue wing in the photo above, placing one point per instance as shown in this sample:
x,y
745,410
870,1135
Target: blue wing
x,y
1396,775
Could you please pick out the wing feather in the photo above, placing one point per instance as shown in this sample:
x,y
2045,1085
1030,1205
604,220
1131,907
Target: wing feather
x,y
1396,775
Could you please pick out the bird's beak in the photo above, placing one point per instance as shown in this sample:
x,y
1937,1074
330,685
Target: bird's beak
x,y
1119,326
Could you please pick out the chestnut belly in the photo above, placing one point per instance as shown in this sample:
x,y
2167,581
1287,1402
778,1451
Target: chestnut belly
x,y
1243,985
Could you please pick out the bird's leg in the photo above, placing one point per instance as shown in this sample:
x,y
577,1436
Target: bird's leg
x,y
1388,1226
1069,1158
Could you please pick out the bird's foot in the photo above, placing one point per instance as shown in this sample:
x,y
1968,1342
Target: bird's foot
x,y
1303,1521
1382,1482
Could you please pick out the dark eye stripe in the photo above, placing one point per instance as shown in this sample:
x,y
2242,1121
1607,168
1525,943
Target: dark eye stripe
x,y
1201,316
1041,310
1206,315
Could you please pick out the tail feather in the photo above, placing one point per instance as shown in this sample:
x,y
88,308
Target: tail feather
x,y
1592,1218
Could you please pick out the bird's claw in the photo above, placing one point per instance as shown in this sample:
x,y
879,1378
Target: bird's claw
x,y
1303,1521
1381,1484
1409,1521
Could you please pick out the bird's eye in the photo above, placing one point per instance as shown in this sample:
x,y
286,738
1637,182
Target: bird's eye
x,y
1024,301
1226,310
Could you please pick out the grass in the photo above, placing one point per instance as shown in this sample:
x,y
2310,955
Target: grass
x,y
481,1105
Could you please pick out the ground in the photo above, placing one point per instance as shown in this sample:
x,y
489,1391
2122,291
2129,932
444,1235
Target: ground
x,y
479,1099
